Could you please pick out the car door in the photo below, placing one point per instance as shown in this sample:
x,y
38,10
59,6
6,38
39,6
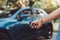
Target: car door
x,y
22,29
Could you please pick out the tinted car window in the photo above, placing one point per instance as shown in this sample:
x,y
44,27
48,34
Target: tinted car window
x,y
24,14
8,13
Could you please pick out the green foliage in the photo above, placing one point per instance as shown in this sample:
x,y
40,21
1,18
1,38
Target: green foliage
x,y
47,6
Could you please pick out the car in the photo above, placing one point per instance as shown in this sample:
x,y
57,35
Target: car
x,y
15,24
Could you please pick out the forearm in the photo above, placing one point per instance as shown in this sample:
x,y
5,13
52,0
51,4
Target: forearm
x,y
51,16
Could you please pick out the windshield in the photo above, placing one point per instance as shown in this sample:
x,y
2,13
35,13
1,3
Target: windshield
x,y
8,13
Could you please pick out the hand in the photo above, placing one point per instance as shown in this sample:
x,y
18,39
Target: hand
x,y
36,24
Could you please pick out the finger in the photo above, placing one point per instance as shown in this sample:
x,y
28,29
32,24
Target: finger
x,y
38,26
35,27
32,26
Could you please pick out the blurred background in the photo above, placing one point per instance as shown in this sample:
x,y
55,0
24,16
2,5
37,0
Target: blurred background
x,y
47,5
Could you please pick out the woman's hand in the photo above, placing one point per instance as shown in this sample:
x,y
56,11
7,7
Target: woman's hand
x,y
36,24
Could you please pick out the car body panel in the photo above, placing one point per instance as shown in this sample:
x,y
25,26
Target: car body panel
x,y
21,30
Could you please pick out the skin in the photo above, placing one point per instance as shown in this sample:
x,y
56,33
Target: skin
x,y
51,16
24,3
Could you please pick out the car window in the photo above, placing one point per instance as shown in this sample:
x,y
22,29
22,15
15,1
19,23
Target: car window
x,y
8,13
24,14
42,13
27,14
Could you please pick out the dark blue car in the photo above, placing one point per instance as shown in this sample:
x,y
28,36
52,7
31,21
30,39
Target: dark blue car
x,y
15,24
